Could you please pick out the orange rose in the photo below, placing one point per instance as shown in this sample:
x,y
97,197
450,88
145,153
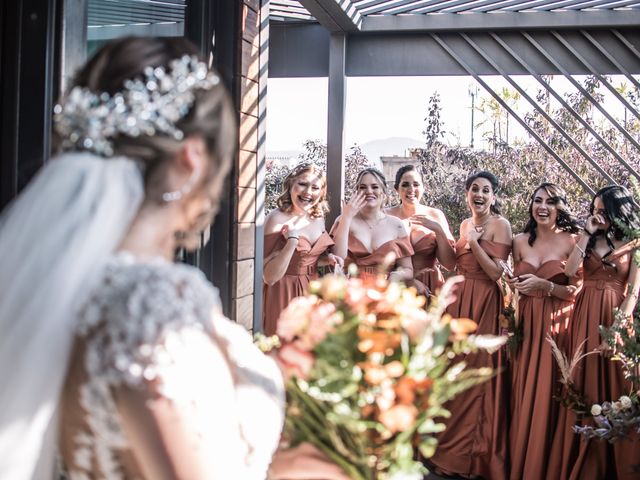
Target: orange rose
x,y
398,418
394,369
375,341
373,374
461,327
294,361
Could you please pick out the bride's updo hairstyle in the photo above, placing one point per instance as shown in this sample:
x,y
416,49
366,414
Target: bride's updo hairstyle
x,y
210,115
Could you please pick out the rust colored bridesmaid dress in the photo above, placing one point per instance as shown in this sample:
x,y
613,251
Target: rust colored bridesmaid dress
x,y
597,377
535,374
301,270
424,259
475,441
368,263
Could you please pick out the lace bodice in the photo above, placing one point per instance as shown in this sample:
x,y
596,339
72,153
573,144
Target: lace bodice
x,y
157,327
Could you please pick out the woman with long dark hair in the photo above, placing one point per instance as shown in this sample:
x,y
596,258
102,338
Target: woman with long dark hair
x,y
610,281
475,441
430,235
295,241
366,236
544,307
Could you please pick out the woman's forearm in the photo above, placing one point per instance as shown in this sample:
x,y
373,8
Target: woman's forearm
x,y
445,253
576,257
341,237
276,267
487,263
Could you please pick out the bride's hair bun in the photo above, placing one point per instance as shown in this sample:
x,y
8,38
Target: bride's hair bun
x,y
195,103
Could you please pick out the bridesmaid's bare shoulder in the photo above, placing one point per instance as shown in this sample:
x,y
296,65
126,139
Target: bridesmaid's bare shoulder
x,y
398,225
394,210
275,220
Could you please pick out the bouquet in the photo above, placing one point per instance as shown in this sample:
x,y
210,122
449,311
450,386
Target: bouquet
x,y
508,318
611,419
369,370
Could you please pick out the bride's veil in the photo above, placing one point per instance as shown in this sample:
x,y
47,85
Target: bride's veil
x,y
53,241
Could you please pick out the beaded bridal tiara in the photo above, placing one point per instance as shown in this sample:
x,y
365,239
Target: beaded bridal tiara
x,y
89,121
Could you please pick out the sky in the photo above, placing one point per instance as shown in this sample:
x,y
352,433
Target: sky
x,y
384,107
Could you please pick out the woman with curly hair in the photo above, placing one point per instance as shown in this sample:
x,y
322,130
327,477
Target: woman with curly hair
x,y
544,307
295,241
610,282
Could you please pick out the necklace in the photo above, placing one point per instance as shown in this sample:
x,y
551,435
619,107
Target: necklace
x,y
478,228
371,227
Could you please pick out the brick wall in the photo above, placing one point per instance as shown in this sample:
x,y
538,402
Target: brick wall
x,y
244,251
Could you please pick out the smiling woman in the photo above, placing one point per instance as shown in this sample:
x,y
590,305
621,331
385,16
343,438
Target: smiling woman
x,y
430,235
295,241
475,442
369,238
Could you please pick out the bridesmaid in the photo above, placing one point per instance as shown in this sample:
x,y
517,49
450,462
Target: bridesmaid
x,y
430,235
365,235
475,441
610,281
545,304
295,241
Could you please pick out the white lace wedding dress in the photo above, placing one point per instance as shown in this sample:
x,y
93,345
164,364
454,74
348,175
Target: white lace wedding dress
x,y
155,328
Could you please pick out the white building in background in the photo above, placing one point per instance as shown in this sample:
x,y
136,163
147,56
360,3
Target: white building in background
x,y
283,160
391,164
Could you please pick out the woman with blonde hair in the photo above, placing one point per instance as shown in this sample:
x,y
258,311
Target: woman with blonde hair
x,y
295,241
366,236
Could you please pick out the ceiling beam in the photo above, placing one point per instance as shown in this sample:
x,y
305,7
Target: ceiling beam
x,y
303,51
335,15
501,21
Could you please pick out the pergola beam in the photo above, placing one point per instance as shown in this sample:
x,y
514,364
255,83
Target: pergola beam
x,y
501,21
335,123
335,15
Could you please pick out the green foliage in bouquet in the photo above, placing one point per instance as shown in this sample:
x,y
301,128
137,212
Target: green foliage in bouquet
x,y
370,370
508,318
616,419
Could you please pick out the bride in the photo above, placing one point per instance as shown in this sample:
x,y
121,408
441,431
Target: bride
x,y
107,345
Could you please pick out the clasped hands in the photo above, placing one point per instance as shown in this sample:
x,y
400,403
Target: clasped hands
x,y
528,283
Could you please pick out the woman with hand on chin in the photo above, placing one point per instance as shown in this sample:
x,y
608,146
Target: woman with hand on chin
x,y
366,236
430,235
295,241
544,307
475,441
610,282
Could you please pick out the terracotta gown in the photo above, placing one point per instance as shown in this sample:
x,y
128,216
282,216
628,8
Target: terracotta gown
x,y
301,270
424,259
535,373
369,262
597,377
475,441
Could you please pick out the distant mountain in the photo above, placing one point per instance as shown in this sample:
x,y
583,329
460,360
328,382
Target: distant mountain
x,y
388,147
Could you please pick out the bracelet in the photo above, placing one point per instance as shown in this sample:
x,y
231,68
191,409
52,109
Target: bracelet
x,y
293,236
551,287
583,254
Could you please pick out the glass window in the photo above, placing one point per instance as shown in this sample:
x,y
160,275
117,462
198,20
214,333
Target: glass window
x,y
109,19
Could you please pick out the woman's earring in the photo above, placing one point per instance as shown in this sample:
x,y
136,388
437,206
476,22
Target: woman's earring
x,y
168,197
